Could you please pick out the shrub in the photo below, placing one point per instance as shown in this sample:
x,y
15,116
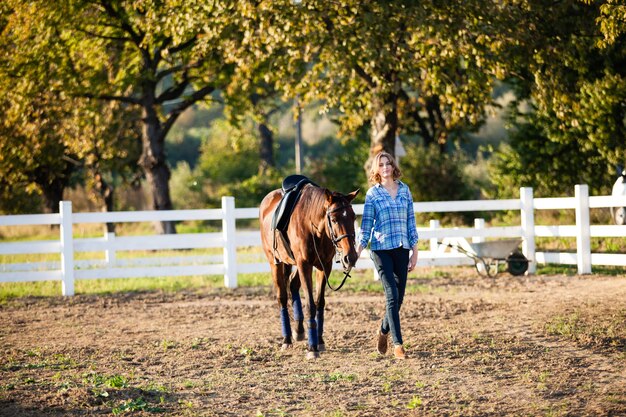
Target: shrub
x,y
436,176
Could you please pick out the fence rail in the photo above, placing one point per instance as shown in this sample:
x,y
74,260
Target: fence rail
x,y
230,263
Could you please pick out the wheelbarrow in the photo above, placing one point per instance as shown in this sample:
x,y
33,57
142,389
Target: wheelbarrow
x,y
489,256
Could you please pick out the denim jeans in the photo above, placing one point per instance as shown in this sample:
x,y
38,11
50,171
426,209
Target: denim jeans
x,y
392,267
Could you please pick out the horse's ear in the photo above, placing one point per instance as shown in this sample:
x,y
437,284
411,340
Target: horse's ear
x,y
353,194
329,195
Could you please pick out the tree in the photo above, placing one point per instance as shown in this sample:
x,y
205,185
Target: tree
x,y
611,20
265,68
47,135
34,155
532,159
158,56
384,64
110,146
574,83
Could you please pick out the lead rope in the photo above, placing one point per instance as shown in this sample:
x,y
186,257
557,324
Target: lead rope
x,y
346,273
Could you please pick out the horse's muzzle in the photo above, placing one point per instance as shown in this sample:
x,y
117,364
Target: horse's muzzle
x,y
349,260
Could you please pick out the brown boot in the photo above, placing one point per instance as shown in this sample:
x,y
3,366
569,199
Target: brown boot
x,y
398,352
381,344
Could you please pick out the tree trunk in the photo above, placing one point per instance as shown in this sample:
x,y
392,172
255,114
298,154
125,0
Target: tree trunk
x,y
155,166
266,149
107,192
53,194
53,186
437,122
384,129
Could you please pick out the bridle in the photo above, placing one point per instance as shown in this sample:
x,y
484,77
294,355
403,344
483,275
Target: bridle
x,y
335,239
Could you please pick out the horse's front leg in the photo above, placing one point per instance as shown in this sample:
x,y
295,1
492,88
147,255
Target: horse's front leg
x,y
305,271
320,303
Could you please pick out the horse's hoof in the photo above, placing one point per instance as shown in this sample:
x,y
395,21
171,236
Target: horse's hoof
x,y
286,346
299,337
312,355
321,347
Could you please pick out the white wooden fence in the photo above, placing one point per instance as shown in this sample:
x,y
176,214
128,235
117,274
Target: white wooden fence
x,y
230,263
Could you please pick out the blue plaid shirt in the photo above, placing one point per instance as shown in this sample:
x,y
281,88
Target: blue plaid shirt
x,y
388,223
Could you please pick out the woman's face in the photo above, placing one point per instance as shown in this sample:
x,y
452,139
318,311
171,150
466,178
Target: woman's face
x,y
385,168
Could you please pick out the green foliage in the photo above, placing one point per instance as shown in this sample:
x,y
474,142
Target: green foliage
x,y
429,66
15,199
228,165
599,116
186,188
184,146
250,192
339,165
575,129
48,135
426,66
552,166
415,402
131,405
611,21
436,176
149,58
228,154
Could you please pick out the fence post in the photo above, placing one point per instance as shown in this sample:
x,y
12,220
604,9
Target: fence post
x,y
527,214
583,230
230,246
67,248
478,224
434,224
109,253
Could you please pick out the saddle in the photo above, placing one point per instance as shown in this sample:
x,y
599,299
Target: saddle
x,y
292,187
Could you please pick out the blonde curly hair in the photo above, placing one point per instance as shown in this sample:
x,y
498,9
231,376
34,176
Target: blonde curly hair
x,y
374,177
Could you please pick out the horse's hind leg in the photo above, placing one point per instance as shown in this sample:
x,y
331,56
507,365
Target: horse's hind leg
x,y
320,303
280,273
296,303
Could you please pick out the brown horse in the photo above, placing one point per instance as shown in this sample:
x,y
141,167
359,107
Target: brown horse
x,y
321,224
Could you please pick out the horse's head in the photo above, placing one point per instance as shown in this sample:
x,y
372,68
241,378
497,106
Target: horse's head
x,y
340,220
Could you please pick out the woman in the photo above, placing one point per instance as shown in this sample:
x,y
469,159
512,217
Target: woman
x,y
389,225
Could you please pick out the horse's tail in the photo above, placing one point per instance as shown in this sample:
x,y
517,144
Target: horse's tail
x,y
289,273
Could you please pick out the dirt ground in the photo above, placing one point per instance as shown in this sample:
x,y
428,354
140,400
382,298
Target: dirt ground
x,y
523,346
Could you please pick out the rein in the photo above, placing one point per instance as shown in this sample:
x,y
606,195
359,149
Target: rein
x,y
327,275
335,240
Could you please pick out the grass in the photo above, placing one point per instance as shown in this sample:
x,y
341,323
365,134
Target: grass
x,y
12,290
571,270
91,230
415,402
589,327
360,281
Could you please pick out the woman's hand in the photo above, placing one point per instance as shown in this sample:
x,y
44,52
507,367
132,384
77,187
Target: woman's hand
x,y
413,260
359,249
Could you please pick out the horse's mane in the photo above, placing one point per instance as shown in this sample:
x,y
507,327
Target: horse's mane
x,y
314,197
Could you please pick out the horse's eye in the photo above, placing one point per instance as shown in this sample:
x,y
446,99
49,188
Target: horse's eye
x,y
333,220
